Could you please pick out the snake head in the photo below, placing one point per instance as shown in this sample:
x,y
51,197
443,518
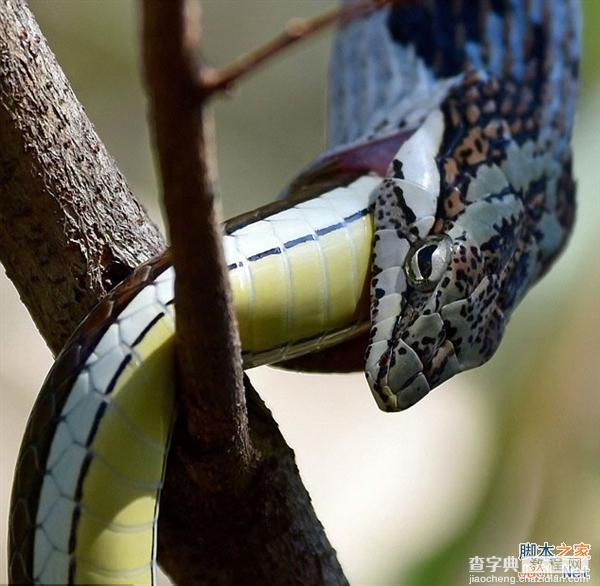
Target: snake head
x,y
442,283
450,320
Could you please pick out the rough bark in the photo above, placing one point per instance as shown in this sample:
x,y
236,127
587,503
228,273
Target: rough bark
x,y
70,228
69,231
267,533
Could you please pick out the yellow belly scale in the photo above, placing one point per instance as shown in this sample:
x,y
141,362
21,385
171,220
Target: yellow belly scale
x,y
297,278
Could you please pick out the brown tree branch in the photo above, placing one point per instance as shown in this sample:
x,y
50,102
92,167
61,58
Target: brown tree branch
x,y
208,347
267,533
70,228
213,80
233,510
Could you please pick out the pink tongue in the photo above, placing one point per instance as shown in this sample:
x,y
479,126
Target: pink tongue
x,y
331,168
374,156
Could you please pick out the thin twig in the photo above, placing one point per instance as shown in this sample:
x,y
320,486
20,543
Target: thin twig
x,y
233,508
208,349
213,80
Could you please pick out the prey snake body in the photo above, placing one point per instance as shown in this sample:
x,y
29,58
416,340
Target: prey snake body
x,y
445,194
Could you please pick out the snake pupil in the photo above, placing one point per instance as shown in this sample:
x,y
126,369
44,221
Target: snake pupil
x,y
424,260
426,263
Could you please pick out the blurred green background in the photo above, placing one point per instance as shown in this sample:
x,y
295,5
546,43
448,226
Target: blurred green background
x,y
505,454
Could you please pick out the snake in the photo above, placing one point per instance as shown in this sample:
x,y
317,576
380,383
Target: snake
x,y
445,192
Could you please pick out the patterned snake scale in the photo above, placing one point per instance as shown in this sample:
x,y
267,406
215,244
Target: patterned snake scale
x,y
445,193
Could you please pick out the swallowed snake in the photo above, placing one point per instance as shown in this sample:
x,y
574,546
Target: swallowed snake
x,y
445,194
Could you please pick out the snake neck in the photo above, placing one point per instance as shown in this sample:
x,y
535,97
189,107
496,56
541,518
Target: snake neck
x,y
503,74
391,68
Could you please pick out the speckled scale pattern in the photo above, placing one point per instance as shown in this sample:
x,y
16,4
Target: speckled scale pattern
x,y
500,177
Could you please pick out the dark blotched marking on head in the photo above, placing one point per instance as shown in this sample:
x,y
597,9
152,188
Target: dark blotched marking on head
x,y
406,209
397,167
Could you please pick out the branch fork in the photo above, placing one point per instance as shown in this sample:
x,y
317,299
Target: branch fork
x,y
233,509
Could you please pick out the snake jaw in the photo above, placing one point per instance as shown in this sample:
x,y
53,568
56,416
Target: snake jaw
x,y
426,340
412,392
395,375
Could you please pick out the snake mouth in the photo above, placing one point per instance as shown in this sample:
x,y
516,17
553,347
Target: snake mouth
x,y
416,365
401,381
414,389
442,367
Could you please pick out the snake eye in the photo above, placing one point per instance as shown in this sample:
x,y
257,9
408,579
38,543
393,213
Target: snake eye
x,y
427,261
